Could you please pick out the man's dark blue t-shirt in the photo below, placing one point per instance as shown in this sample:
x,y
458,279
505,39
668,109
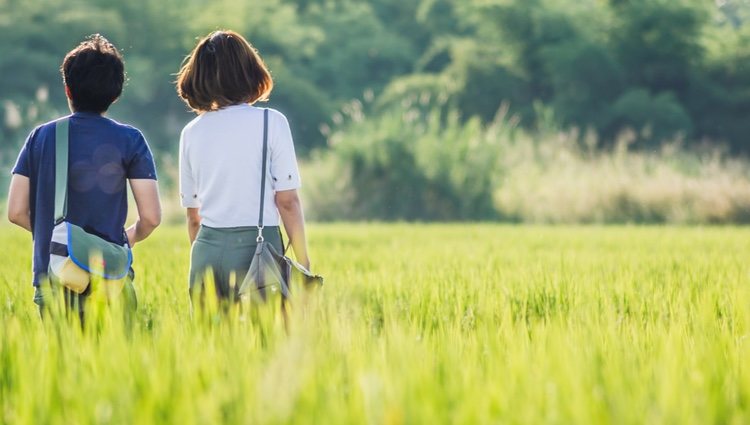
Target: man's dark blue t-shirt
x,y
103,154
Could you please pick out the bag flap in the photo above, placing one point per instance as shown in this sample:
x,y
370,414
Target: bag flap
x,y
308,278
83,247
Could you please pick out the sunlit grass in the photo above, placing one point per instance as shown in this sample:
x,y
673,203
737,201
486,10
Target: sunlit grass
x,y
416,324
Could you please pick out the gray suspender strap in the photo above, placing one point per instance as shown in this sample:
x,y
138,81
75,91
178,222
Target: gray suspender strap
x,y
263,175
61,169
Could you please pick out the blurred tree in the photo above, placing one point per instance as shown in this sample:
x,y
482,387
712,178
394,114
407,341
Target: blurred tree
x,y
586,80
655,118
358,53
658,42
718,96
735,12
529,51
419,164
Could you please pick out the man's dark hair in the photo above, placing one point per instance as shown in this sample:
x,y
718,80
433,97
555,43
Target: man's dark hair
x,y
94,73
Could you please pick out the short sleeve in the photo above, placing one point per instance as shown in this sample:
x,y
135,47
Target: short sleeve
x,y
141,162
284,170
23,162
188,189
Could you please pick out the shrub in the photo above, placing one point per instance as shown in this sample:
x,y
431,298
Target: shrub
x,y
415,163
408,164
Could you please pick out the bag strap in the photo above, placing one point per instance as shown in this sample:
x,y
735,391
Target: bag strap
x,y
61,169
263,187
263,176
62,136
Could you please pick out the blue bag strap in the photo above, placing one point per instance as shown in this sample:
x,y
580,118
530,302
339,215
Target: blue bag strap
x,y
263,175
62,130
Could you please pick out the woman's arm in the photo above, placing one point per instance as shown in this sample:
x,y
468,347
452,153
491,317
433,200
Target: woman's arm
x,y
193,223
19,212
290,209
146,194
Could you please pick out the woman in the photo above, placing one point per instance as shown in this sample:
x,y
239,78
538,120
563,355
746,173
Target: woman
x,y
221,163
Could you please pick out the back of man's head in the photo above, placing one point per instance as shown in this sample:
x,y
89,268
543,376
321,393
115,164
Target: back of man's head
x,y
94,74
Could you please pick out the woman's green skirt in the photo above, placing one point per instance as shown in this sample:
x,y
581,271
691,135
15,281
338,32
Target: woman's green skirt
x,y
223,255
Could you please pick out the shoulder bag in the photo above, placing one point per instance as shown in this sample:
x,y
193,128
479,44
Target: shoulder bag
x,y
271,271
76,255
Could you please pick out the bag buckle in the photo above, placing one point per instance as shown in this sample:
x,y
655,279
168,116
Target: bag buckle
x,y
260,234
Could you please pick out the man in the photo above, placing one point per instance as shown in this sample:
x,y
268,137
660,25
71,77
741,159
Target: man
x,y
103,157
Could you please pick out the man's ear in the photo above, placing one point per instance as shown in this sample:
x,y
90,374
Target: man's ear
x,y
67,92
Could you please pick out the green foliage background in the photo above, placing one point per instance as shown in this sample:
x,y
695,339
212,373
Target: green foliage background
x,y
659,71
676,66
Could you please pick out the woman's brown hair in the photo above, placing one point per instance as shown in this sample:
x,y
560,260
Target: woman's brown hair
x,y
222,70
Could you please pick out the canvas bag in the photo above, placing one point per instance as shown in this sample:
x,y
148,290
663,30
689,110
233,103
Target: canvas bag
x,y
271,271
76,255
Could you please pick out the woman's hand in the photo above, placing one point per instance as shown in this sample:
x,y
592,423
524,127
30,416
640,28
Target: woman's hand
x,y
193,223
290,209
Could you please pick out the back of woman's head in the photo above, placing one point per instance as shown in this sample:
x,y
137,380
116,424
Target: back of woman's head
x,y
222,70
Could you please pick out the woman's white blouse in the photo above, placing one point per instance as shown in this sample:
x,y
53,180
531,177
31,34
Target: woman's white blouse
x,y
220,165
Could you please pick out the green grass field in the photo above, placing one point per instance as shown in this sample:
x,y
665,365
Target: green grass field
x,y
417,324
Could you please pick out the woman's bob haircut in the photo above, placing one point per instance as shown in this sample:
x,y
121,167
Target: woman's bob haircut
x,y
222,70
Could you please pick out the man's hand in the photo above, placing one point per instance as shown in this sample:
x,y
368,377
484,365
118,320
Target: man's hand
x,y
290,210
130,233
146,194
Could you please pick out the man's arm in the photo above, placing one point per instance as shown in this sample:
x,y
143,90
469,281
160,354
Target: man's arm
x,y
19,212
193,223
290,209
146,194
